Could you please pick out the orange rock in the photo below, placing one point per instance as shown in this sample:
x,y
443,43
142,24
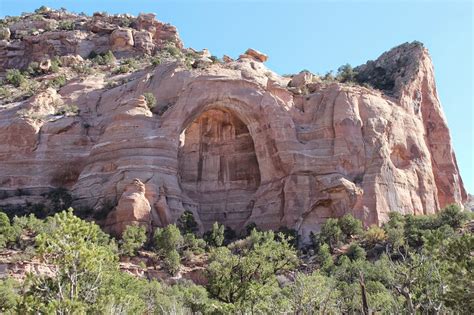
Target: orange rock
x,y
132,209
232,143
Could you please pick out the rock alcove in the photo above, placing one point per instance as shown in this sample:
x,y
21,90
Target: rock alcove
x,y
218,167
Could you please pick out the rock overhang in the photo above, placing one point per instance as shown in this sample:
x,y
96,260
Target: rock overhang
x,y
323,149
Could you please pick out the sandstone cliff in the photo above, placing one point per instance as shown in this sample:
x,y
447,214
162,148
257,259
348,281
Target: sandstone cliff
x,y
230,141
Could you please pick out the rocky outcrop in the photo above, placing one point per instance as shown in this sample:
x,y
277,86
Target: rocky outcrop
x,y
133,208
236,143
52,33
255,55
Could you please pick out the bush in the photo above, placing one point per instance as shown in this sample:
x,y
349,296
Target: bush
x,y
375,235
5,229
345,73
355,252
350,226
331,233
42,9
215,237
150,100
187,224
67,25
55,64
122,69
105,59
249,228
168,238
15,77
133,238
290,234
60,198
8,296
67,109
33,68
58,82
155,61
172,261
325,259
453,216
194,244
173,50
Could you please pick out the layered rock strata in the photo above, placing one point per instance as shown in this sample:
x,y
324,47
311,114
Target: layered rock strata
x,y
234,142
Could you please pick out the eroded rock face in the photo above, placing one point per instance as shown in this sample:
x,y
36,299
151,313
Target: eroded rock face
x,y
218,167
132,209
235,142
19,46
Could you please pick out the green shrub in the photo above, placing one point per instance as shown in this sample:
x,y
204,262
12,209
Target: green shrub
x,y
331,233
168,238
150,100
61,199
290,234
55,64
249,228
187,224
173,50
5,230
15,77
131,62
67,109
355,252
122,69
215,237
172,261
58,82
5,92
155,61
67,25
8,296
345,73
42,9
133,238
194,244
350,226
375,235
83,68
105,59
33,68
453,216
329,77
325,259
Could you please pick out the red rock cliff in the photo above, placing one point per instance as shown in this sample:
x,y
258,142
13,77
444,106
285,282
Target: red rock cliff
x,y
229,141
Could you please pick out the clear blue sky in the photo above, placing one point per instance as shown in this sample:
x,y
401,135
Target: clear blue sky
x,y
320,36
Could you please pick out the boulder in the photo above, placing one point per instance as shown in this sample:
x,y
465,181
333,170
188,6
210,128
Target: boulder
x,y
4,33
301,79
144,41
71,60
254,54
121,39
132,209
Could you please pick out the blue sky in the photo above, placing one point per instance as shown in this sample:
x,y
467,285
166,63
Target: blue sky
x,y
321,36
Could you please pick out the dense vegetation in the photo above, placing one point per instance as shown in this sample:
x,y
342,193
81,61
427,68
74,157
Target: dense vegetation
x,y
412,264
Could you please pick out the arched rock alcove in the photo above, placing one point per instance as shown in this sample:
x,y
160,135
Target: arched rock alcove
x,y
218,167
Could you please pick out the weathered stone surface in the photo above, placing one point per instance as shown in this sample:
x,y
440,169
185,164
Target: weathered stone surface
x,y
71,60
99,33
254,54
132,209
121,39
4,33
301,79
233,142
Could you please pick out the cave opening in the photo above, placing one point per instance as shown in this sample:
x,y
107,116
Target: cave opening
x,y
218,168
